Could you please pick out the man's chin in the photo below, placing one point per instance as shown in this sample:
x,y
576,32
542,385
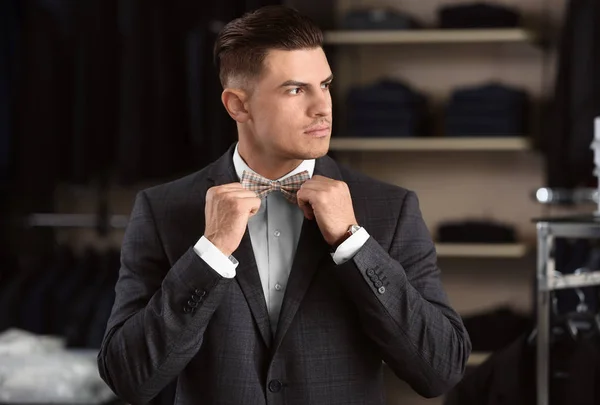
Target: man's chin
x,y
317,151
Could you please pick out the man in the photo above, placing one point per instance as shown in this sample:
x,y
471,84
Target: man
x,y
275,276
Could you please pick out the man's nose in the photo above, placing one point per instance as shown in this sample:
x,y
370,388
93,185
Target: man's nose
x,y
321,104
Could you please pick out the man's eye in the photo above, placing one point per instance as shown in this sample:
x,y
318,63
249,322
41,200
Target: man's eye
x,y
295,90
326,85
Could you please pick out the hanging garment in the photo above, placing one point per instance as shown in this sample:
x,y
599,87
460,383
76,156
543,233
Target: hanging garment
x,y
10,25
478,15
508,377
570,127
119,88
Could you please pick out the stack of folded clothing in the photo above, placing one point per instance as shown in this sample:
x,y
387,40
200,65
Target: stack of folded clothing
x,y
387,108
478,15
496,328
474,231
488,110
378,19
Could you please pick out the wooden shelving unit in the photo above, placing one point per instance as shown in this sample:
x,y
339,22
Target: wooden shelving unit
x,y
477,358
435,36
500,250
431,144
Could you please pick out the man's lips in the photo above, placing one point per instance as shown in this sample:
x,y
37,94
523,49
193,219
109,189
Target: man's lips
x,y
317,129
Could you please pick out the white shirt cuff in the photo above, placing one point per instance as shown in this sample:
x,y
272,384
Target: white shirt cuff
x,y
216,259
350,246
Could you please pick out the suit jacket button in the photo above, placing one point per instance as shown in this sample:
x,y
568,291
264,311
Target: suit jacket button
x,y
275,386
381,290
378,284
370,273
187,309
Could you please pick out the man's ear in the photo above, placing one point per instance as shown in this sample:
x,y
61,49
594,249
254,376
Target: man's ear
x,y
234,101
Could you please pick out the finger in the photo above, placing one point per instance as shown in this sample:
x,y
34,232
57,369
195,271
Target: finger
x,y
304,204
230,186
316,185
318,177
307,210
253,205
248,198
237,193
314,195
225,188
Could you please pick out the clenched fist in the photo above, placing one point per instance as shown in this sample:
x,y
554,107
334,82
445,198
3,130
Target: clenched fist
x,y
329,202
228,208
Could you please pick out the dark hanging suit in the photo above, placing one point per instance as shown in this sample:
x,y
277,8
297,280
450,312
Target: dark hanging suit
x,y
570,128
508,377
123,87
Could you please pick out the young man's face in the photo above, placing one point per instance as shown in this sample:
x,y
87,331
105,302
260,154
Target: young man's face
x,y
290,106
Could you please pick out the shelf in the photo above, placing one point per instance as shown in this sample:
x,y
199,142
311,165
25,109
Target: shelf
x,y
500,250
572,281
477,358
440,36
431,144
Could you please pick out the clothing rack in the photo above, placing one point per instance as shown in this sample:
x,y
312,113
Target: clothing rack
x,y
548,280
552,196
583,195
76,221
101,220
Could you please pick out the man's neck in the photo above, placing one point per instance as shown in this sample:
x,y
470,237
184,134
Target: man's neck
x,y
267,167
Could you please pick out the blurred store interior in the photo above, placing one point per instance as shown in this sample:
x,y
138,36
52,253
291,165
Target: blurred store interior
x,y
486,110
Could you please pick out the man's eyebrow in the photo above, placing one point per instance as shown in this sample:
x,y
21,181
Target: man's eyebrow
x,y
302,84
293,83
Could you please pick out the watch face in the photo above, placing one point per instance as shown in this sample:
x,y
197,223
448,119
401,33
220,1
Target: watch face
x,y
354,228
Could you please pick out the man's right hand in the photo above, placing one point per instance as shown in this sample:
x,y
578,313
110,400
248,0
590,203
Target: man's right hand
x,y
228,208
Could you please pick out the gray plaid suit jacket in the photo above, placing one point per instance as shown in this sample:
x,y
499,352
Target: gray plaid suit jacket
x,y
176,319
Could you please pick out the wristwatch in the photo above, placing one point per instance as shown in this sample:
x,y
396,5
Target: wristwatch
x,y
352,229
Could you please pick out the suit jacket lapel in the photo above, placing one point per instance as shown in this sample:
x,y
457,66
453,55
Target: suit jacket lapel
x,y
311,249
247,276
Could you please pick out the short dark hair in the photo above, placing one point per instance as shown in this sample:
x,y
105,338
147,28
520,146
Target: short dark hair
x,y
242,45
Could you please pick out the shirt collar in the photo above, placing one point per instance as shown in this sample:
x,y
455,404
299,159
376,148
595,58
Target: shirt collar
x,y
240,166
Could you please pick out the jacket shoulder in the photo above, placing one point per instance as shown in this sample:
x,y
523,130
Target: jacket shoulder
x,y
363,186
178,189
377,205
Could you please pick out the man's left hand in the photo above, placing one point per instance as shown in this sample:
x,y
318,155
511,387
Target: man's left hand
x,y
329,202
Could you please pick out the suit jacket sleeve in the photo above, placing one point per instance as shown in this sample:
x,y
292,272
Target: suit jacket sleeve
x,y
421,338
160,311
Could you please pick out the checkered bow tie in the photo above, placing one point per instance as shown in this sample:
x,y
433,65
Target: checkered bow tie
x,y
263,186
